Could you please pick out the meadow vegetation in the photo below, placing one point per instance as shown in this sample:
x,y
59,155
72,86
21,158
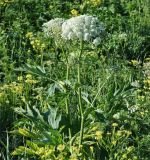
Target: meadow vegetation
x,y
69,94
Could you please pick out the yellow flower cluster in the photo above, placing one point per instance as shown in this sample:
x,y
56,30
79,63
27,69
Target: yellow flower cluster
x,y
14,87
29,35
20,78
60,147
35,43
30,80
44,152
96,2
114,142
74,12
98,135
91,3
146,82
134,62
75,153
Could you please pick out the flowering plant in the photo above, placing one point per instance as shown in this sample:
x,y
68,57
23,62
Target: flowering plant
x,y
83,28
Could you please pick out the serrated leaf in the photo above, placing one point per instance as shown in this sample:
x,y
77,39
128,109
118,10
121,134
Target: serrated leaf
x,y
21,150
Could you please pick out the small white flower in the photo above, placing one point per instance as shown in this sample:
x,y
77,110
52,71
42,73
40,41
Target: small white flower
x,y
97,41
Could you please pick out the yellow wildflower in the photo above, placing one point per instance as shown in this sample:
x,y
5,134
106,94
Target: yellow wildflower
x,y
98,135
130,149
37,42
20,78
141,97
96,2
73,157
74,12
114,142
147,81
31,81
124,156
119,133
142,114
19,89
29,35
75,149
114,124
61,147
29,76
128,132
38,97
46,153
134,62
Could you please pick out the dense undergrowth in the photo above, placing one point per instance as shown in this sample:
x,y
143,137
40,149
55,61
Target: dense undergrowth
x,y
66,100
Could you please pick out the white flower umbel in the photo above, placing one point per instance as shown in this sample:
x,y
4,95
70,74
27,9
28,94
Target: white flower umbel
x,y
83,28
53,27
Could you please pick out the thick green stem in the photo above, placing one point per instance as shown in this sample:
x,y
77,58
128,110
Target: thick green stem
x,y
67,105
80,98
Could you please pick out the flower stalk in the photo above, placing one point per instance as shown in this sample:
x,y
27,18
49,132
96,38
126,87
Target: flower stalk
x,y
67,104
79,96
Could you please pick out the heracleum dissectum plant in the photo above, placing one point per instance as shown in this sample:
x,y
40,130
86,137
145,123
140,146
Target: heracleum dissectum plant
x,y
53,29
82,29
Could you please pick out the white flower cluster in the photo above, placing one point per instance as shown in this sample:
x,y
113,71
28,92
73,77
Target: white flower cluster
x,y
84,27
53,27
